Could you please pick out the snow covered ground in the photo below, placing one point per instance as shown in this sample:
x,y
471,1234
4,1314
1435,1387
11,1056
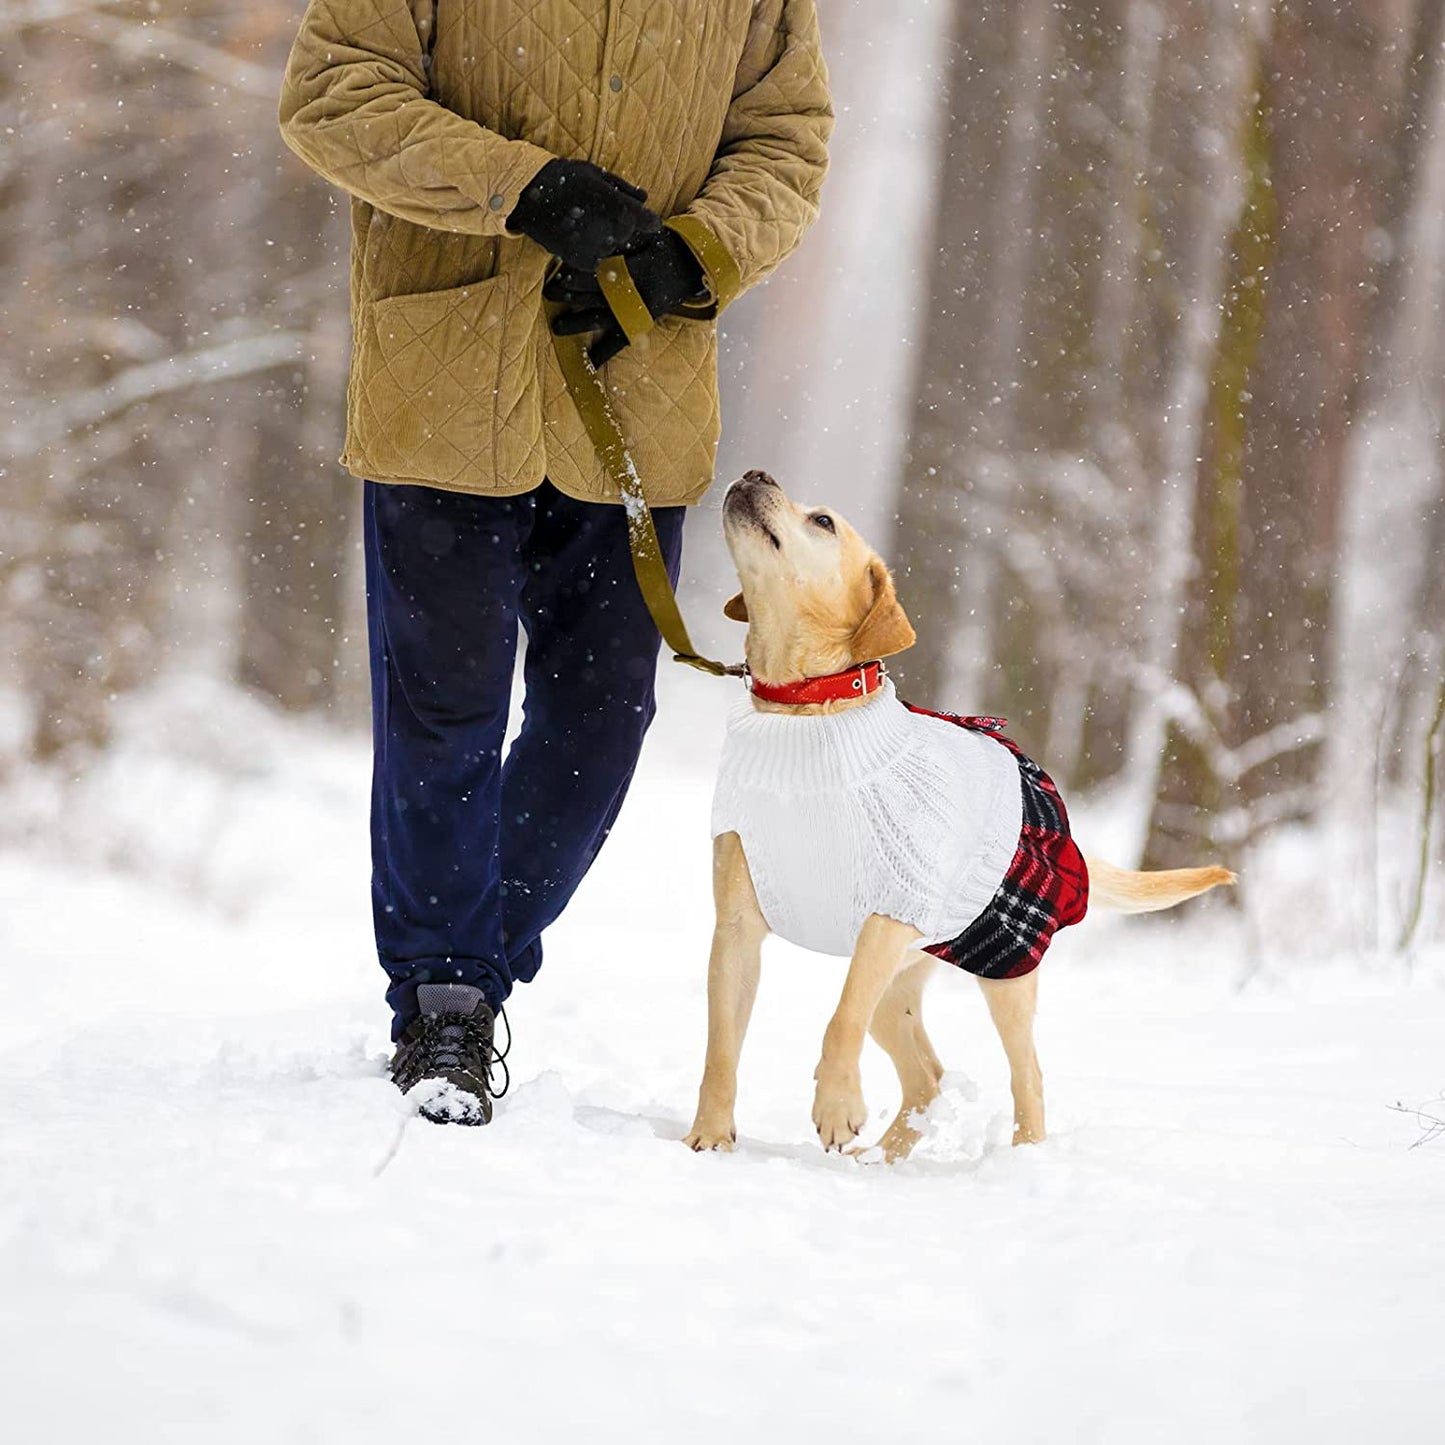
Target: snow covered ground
x,y
217,1223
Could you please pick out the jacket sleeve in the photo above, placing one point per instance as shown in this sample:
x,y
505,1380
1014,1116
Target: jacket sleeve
x,y
354,107
762,192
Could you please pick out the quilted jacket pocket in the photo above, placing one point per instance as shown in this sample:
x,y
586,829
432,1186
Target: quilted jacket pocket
x,y
447,388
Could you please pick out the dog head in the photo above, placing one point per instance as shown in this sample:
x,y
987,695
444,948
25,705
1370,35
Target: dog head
x,y
815,596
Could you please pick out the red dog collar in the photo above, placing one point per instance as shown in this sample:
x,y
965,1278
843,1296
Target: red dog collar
x,y
860,681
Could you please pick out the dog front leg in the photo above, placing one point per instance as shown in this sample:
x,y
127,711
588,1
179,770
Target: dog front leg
x,y
838,1108
897,1028
732,985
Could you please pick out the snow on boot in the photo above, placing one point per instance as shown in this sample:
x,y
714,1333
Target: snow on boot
x,y
447,1055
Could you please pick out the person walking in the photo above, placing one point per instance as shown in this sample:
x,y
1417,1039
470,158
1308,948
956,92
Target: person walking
x,y
495,154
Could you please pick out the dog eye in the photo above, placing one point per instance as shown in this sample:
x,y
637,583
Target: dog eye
x,y
823,520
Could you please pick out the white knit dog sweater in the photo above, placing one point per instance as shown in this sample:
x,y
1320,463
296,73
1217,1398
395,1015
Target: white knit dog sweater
x,y
874,809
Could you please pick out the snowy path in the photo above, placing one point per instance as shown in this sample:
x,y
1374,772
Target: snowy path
x,y
209,1232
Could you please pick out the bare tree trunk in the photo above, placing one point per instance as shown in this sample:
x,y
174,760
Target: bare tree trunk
x,y
971,357
1260,724
1324,53
1219,191
1189,777
1113,425
1389,598
817,366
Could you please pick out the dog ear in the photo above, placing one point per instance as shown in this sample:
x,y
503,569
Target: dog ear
x,y
886,629
736,608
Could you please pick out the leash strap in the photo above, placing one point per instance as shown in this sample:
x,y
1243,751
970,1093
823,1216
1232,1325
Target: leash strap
x,y
623,298
605,433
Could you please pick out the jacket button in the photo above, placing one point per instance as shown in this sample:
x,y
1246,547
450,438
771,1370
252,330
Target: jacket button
x,y
497,202
615,83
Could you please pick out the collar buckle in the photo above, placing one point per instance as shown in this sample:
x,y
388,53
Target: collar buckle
x,y
860,683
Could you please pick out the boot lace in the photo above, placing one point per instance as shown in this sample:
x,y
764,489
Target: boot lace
x,y
459,1041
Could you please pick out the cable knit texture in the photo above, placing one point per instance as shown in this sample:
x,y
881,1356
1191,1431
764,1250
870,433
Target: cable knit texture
x,y
874,809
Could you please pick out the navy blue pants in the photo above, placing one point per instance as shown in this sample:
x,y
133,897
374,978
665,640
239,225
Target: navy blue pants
x,y
473,855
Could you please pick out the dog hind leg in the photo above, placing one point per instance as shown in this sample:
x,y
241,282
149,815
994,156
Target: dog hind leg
x,y
925,1044
897,1027
1011,1002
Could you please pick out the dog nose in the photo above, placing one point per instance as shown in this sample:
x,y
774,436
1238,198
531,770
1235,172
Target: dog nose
x,y
755,478
747,484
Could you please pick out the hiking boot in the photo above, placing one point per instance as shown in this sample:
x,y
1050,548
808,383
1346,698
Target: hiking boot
x,y
447,1054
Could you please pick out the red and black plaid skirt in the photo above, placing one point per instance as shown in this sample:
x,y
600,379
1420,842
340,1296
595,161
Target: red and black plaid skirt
x,y
1047,884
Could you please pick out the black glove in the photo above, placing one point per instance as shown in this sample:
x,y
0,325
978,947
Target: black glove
x,y
581,213
663,269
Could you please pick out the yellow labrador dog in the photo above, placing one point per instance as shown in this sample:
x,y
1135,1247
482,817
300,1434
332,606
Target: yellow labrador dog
x,y
851,823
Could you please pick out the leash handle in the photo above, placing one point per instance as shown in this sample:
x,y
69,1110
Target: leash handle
x,y
721,280
623,298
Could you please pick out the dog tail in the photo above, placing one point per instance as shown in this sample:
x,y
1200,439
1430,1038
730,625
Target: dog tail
x,y
1126,891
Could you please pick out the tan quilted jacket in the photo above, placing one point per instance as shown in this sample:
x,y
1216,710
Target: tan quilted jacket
x,y
434,114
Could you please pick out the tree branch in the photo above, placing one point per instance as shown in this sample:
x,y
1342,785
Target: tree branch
x,y
1427,820
81,409
144,40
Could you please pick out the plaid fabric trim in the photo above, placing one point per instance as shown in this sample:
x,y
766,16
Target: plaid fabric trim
x,y
1047,884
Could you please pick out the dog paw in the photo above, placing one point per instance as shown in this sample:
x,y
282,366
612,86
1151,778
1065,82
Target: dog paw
x,y
899,1137
704,1137
839,1112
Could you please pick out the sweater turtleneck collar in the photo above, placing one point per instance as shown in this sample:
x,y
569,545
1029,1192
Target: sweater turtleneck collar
x,y
799,752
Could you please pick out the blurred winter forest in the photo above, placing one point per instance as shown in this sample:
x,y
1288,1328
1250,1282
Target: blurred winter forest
x,y
1122,335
